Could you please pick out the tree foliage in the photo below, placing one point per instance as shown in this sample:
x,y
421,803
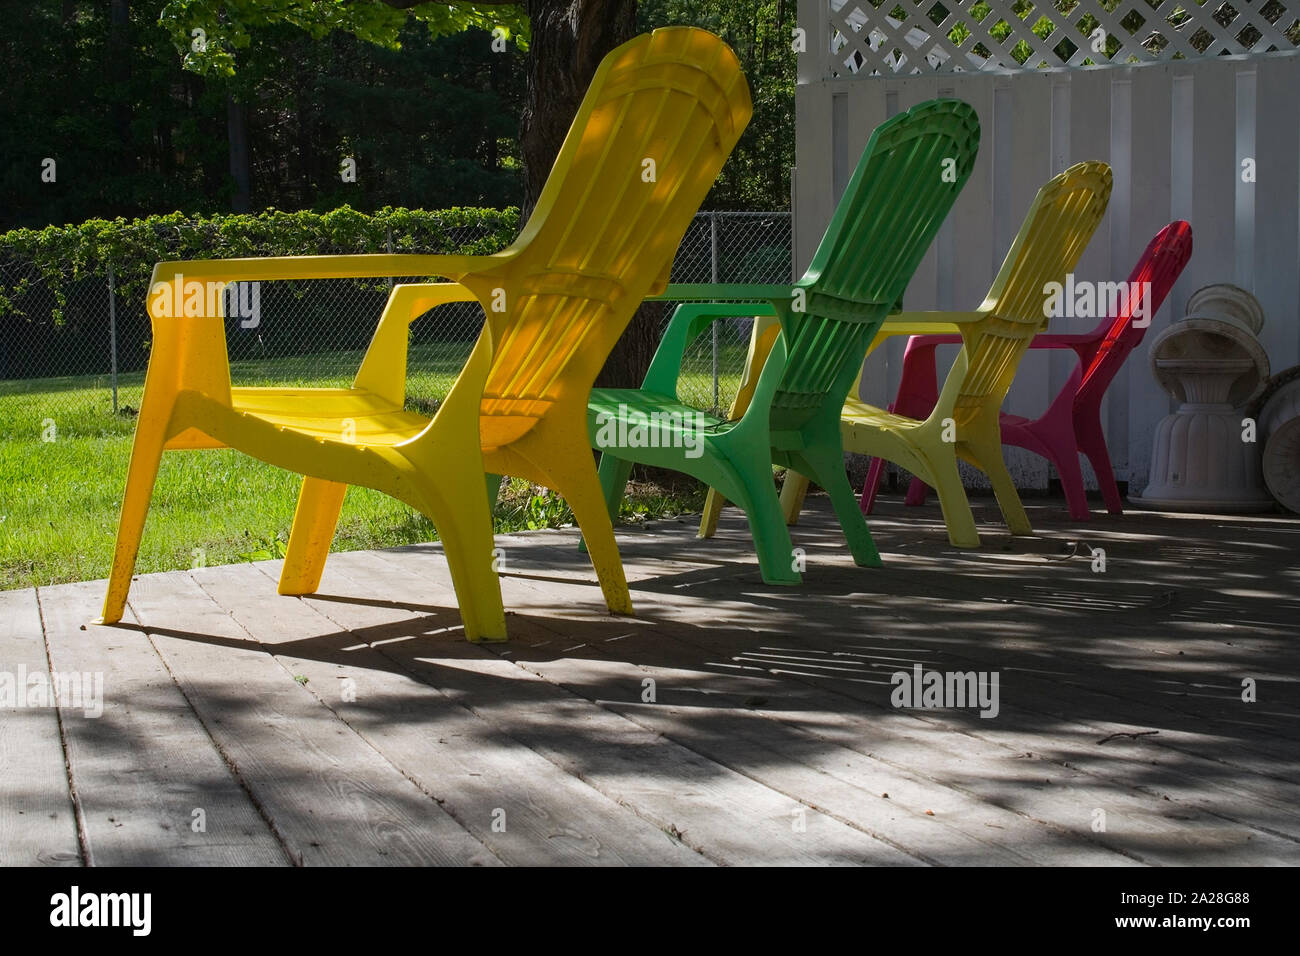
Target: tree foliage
x,y
757,176
225,26
136,121
431,122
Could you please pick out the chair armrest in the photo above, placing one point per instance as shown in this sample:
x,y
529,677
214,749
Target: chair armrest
x,y
930,341
186,304
1060,341
688,321
274,268
408,301
921,323
383,368
1084,345
928,323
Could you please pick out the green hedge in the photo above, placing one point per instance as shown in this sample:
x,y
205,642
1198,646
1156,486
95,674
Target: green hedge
x,y
62,255
54,317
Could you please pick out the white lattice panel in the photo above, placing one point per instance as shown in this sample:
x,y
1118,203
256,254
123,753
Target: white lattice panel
x,y
883,37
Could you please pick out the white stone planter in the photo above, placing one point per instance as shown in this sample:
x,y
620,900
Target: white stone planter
x,y
1213,365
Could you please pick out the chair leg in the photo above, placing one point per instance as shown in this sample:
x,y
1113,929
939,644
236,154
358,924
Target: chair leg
x,y
613,473
585,497
1076,498
1052,436
713,503
1013,511
314,521
560,458
867,503
793,492
457,505
916,493
831,476
1092,442
146,453
762,338
957,514
767,524
493,490
916,489
918,393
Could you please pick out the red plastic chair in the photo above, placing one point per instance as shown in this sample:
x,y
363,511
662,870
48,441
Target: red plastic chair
x,y
1072,423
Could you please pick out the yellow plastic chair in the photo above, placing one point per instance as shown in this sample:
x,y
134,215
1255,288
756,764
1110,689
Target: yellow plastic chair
x,y
662,113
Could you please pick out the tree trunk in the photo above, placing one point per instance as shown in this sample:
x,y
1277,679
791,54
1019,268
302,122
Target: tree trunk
x,y
119,70
237,135
569,39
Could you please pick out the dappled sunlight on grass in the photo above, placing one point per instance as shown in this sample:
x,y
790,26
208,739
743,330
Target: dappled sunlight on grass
x,y
64,457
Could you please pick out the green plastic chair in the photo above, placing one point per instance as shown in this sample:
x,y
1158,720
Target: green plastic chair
x,y
908,178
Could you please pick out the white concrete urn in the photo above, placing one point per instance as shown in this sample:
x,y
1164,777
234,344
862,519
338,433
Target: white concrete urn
x,y
1205,455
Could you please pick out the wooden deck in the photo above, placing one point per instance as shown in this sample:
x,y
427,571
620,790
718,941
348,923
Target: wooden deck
x,y
359,727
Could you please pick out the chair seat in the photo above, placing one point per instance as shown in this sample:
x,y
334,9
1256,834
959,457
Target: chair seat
x,y
344,415
662,415
857,412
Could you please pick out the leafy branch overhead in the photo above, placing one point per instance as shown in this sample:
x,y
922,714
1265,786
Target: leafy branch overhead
x,y
210,31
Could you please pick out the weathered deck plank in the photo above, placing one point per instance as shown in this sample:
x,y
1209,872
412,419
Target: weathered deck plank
x,y
1200,822
770,738
782,757
332,799
1238,821
724,815
142,768
521,806
692,708
38,824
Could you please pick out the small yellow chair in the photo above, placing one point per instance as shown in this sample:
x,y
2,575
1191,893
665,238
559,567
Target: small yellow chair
x,y
1056,230
659,120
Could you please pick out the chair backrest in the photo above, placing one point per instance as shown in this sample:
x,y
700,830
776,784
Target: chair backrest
x,y
662,114
1152,278
1056,230
910,174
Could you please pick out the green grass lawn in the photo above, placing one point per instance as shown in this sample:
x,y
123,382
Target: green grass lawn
x,y
59,499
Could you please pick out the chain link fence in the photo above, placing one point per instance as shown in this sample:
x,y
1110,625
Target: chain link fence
x,y
727,247
77,366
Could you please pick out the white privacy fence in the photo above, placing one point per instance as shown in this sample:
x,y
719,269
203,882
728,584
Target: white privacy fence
x,y
1196,108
